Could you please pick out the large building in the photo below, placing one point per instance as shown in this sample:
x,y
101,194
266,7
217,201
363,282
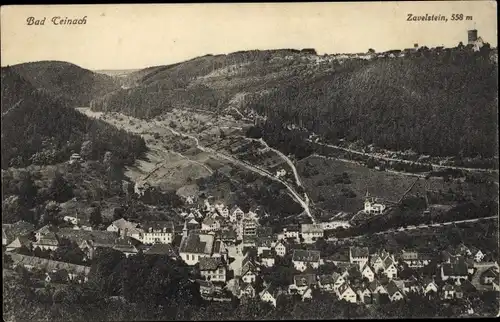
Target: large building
x,y
196,246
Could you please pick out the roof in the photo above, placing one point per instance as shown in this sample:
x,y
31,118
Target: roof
x,y
457,269
274,290
210,263
18,242
204,283
123,224
197,243
388,262
209,221
374,285
226,234
20,228
49,239
339,257
100,237
344,287
306,255
292,228
326,279
359,251
392,288
166,226
409,255
218,247
266,253
161,249
264,231
264,242
312,228
49,265
305,280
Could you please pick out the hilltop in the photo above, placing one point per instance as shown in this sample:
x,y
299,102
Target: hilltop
x,y
70,82
425,101
40,128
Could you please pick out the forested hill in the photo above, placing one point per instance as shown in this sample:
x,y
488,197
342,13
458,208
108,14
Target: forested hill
x,y
38,128
438,102
72,83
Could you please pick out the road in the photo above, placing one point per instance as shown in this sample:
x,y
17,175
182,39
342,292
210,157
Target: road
x,y
435,166
246,165
412,227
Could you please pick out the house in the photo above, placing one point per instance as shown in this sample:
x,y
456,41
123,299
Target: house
x,y
395,294
307,294
450,291
390,268
250,226
457,270
247,290
377,262
330,225
338,280
490,276
364,294
373,205
155,232
311,232
248,271
292,232
74,272
207,288
368,272
213,269
377,288
267,258
249,241
71,219
196,246
303,282
227,235
281,247
219,250
47,229
358,255
477,254
302,258
326,282
48,241
210,224
235,214
223,211
429,286
412,285
18,243
270,294
339,258
345,292
263,244
11,231
162,249
121,225
415,259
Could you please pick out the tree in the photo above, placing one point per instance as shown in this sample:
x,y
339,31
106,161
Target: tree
x,y
95,217
51,214
371,51
86,150
27,190
59,189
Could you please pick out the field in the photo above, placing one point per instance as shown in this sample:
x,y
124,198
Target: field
x,y
316,173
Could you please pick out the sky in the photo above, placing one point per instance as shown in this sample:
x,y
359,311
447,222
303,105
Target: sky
x,y
138,36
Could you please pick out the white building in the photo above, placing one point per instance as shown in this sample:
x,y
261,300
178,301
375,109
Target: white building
x,y
302,258
195,246
373,206
155,232
311,232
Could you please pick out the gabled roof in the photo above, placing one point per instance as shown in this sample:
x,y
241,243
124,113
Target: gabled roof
x,y
203,283
373,285
166,226
359,252
20,228
49,265
49,239
19,242
312,228
388,262
273,289
123,224
458,269
305,280
392,288
344,287
96,236
336,276
210,263
227,234
303,255
161,249
209,221
218,247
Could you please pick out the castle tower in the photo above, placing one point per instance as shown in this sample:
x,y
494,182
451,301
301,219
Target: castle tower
x,y
471,36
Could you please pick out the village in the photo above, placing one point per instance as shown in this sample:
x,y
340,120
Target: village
x,y
237,257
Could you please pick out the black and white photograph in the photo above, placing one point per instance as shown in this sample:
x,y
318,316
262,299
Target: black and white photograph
x,y
250,161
